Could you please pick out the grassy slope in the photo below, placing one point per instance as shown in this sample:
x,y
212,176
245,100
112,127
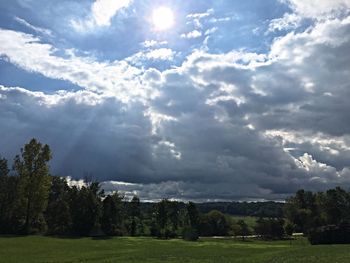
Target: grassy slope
x,y
45,249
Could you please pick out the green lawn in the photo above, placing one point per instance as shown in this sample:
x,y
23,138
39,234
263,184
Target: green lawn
x,y
46,249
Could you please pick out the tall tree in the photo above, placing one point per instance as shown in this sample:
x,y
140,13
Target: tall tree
x,y
4,170
34,183
57,214
134,214
112,215
193,215
8,194
85,208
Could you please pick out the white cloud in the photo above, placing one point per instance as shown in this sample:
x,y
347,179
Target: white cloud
x,y
112,78
288,21
153,43
192,34
211,31
102,12
201,15
320,9
160,54
39,30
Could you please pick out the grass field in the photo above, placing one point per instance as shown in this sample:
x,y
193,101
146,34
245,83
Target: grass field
x,y
47,249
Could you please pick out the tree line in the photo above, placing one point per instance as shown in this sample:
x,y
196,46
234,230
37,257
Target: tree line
x,y
323,216
33,201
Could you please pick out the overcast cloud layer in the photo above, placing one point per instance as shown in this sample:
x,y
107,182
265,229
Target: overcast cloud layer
x,y
225,105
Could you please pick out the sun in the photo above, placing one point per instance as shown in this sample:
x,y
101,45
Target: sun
x,y
162,18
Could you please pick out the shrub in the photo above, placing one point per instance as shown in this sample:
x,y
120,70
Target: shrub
x,y
330,234
190,234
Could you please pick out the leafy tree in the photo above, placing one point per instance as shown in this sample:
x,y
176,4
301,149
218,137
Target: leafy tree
x,y
161,218
57,214
193,215
270,228
243,229
8,197
302,210
134,214
4,170
214,224
34,184
289,229
112,215
85,208
336,206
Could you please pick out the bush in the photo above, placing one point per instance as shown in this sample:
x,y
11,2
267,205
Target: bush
x,y
289,229
190,234
270,228
330,234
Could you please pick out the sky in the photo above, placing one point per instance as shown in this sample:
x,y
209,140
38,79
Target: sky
x,y
212,100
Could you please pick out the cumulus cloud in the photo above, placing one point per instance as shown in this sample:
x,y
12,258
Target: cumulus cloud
x,y
102,12
192,34
152,54
287,22
320,9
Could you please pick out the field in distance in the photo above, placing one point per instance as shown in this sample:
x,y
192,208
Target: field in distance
x,y
126,249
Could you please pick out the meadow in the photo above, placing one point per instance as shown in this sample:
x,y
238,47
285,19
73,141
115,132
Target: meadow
x,y
131,249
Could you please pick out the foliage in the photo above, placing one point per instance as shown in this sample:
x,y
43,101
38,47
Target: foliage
x,y
214,224
112,215
190,234
256,209
57,215
330,234
34,184
270,228
85,208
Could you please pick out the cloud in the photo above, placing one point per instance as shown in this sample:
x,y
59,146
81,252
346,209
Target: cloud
x,y
160,54
192,34
320,9
217,127
287,22
102,12
209,12
196,18
27,52
39,30
153,43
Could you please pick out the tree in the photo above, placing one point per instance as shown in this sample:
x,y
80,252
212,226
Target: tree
x,y
34,184
4,170
57,214
270,228
161,218
85,208
214,224
112,215
243,229
336,206
8,196
134,214
302,210
193,215
190,231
